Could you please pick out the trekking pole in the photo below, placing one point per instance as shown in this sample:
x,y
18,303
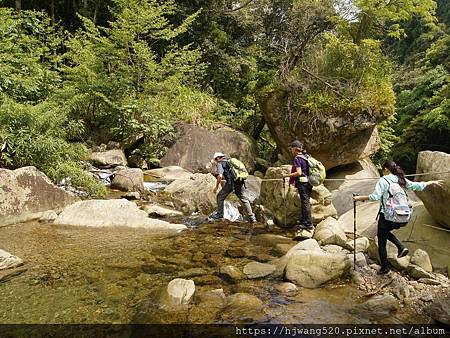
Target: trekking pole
x,y
284,201
354,231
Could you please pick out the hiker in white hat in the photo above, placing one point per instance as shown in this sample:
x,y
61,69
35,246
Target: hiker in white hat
x,y
233,172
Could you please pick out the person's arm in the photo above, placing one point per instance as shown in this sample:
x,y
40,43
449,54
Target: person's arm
x,y
219,179
419,186
296,173
376,195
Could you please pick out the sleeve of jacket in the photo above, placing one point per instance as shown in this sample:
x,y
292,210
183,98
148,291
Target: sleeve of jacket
x,y
379,190
415,186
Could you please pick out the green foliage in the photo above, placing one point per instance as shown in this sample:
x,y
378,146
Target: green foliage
x,y
36,135
116,82
27,39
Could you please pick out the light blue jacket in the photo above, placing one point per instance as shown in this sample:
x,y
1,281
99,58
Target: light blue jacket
x,y
381,189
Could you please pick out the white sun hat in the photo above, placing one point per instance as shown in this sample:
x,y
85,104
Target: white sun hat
x,y
216,155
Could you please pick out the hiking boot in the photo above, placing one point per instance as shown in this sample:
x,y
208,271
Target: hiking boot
x,y
215,216
403,252
306,227
384,270
251,219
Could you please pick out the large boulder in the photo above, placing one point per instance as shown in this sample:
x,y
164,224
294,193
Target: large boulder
x,y
127,179
108,159
284,201
195,146
329,227
194,195
311,269
333,138
420,258
423,232
352,176
26,193
366,222
109,213
435,198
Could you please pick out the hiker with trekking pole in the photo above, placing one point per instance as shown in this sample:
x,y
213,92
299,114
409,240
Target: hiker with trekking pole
x,y
395,211
233,173
306,172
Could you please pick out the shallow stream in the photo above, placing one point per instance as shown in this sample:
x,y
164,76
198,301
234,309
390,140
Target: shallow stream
x,y
108,275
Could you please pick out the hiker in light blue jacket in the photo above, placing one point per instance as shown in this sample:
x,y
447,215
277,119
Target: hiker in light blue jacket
x,y
392,173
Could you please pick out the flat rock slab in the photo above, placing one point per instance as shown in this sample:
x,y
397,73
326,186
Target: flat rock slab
x,y
258,270
440,311
377,307
110,213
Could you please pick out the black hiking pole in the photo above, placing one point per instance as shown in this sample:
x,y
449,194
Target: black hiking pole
x,y
354,231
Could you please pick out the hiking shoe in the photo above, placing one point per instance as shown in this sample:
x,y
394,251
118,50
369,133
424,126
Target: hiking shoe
x,y
306,227
384,270
251,219
215,216
403,252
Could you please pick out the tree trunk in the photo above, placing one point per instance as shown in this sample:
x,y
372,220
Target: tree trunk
x,y
259,127
52,11
18,5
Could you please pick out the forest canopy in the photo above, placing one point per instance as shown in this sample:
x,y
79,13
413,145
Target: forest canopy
x,y
79,72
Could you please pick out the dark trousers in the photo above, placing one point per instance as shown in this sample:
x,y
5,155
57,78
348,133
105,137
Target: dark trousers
x,y
304,190
384,234
239,189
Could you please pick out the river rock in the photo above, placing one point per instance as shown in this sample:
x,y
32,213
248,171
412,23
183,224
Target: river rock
x,y
26,193
286,288
48,216
311,269
308,245
169,173
258,270
193,195
157,210
329,227
127,179
377,307
9,261
362,244
231,272
253,188
109,213
244,308
417,272
136,161
366,224
429,281
435,198
180,291
108,159
282,249
303,234
361,260
421,258
195,146
351,182
399,264
440,311
284,201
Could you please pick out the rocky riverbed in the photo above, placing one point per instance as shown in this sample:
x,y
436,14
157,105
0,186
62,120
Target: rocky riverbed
x,y
103,275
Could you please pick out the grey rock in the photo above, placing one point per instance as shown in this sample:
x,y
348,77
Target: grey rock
x,y
48,216
127,179
157,210
244,308
286,288
231,272
258,270
308,245
26,193
429,281
180,291
311,269
440,310
377,307
110,213
421,258
417,272
108,159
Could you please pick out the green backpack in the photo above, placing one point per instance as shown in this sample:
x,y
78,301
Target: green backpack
x,y
317,172
238,170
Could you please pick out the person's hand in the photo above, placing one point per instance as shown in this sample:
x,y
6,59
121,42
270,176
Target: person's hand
x,y
216,189
357,198
439,183
287,176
